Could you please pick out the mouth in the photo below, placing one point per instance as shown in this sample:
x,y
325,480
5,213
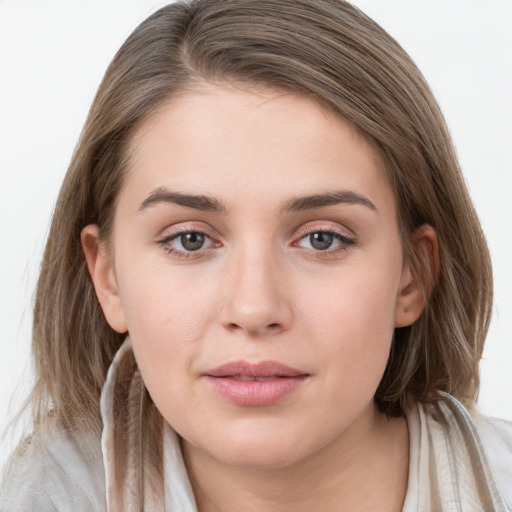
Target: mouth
x,y
255,385
247,378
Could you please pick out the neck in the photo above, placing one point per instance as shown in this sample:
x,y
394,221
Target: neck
x,y
364,468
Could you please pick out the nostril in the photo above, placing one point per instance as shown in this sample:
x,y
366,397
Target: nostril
x,y
233,326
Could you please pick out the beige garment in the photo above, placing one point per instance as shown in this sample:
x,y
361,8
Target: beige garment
x,y
457,462
132,483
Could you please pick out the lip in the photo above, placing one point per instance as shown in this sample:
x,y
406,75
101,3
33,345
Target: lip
x,y
233,382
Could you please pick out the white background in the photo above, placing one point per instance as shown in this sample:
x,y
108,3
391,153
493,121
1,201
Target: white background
x,y
54,53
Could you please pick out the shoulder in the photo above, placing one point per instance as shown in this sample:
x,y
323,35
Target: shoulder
x,y
481,447
45,467
496,435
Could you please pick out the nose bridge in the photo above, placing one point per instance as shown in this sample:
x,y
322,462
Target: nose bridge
x,y
255,299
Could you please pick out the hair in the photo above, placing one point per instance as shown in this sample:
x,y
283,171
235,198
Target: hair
x,y
334,54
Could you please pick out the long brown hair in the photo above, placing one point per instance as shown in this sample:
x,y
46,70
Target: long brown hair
x,y
331,52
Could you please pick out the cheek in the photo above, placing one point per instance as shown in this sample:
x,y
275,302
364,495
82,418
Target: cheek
x,y
167,316
159,298
351,356
352,317
358,300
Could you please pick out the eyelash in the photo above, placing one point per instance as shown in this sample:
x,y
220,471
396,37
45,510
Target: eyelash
x,y
169,249
345,242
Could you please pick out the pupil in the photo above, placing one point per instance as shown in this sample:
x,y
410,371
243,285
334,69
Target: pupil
x,y
192,241
321,241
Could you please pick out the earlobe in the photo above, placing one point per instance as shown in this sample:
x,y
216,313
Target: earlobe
x,y
417,285
103,277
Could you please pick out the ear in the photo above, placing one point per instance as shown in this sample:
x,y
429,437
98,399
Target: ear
x,y
103,277
417,285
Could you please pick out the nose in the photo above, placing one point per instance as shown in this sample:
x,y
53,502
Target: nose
x,y
255,301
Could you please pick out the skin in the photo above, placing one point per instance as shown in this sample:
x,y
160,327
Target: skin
x,y
258,290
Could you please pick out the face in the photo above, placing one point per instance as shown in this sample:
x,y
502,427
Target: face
x,y
256,264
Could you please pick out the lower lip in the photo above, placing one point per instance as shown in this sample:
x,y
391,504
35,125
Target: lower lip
x,y
254,393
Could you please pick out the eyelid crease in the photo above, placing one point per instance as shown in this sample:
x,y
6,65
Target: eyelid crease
x,y
309,228
187,227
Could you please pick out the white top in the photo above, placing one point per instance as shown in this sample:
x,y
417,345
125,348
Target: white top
x,y
458,461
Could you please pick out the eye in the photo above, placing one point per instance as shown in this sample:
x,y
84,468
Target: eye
x,y
185,243
320,241
190,241
328,241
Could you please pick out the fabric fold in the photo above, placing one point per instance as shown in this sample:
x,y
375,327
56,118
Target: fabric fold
x,y
144,469
455,473
131,439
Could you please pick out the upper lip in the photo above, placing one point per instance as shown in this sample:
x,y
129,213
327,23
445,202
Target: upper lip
x,y
261,369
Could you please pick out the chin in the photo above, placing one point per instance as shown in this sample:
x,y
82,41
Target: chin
x,y
261,457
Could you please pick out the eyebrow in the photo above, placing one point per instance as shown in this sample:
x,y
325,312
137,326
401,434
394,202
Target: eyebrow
x,y
328,199
294,204
197,202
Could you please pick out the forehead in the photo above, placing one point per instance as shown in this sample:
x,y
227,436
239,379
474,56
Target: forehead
x,y
224,141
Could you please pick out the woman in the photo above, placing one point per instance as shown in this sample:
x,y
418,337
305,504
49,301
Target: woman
x,y
265,285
